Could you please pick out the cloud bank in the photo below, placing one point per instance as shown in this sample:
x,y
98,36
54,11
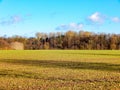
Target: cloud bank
x,y
70,26
116,19
11,20
99,19
95,19
14,19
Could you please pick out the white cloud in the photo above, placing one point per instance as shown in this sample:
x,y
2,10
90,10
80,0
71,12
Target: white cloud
x,y
14,19
73,26
96,17
10,20
116,19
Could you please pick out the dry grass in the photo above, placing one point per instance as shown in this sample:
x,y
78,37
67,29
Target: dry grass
x,y
60,70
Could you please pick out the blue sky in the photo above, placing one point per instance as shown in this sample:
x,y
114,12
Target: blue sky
x,y
26,17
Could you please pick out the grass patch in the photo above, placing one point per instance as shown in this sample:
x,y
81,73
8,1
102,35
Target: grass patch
x,y
62,70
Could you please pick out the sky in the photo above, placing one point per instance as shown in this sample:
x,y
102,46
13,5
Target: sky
x,y
26,17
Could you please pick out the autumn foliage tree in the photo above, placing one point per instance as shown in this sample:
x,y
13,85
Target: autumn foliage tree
x,y
82,40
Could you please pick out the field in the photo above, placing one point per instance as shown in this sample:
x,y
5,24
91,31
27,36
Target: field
x,y
60,70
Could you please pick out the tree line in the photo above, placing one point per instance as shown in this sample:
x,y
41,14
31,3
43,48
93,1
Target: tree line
x,y
82,40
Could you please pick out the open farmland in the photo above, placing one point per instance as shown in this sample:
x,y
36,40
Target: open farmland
x,y
60,70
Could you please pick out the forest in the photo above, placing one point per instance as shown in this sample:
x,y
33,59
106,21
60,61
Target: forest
x,y
70,40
